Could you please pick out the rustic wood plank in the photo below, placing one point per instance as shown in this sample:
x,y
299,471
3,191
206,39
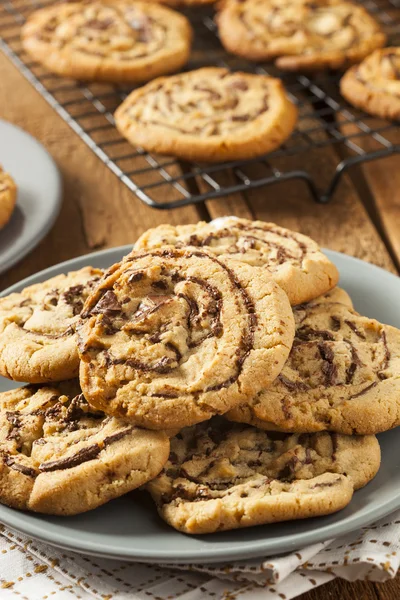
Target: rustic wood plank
x,y
98,211
339,589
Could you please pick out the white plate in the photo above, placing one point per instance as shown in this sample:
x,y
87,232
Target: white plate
x,y
39,193
130,528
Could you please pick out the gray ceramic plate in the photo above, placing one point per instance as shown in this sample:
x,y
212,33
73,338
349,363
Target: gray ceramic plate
x,y
39,193
129,528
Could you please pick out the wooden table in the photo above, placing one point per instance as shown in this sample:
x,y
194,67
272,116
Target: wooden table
x,y
97,216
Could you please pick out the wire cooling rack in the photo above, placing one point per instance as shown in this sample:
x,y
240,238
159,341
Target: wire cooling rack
x,y
163,182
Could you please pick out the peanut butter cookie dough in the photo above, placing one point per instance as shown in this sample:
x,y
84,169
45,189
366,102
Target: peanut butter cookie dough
x,y
299,34
8,197
343,374
293,260
374,84
171,337
209,114
108,40
37,327
58,456
220,478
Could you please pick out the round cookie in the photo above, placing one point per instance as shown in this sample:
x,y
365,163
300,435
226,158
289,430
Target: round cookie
x,y
374,84
293,260
172,337
221,477
108,40
8,197
37,327
58,456
209,115
343,374
299,34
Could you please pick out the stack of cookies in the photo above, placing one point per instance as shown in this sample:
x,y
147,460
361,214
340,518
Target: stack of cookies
x,y
217,365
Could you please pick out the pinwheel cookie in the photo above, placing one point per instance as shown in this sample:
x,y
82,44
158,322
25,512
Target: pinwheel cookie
x,y
8,197
171,337
37,327
220,478
293,260
343,374
299,34
374,85
209,115
59,456
108,40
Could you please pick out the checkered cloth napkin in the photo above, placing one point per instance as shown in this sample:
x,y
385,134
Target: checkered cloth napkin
x,y
31,570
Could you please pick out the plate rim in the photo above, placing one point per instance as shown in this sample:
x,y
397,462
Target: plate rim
x,y
257,548
39,235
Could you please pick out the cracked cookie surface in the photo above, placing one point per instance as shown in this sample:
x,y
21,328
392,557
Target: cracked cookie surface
x,y
37,327
173,336
299,34
224,476
108,40
293,260
8,197
343,374
209,114
59,456
374,84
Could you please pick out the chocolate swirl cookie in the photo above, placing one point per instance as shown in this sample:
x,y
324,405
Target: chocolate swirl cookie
x,y
108,40
299,34
343,374
37,327
8,197
209,115
374,84
61,457
293,260
171,337
222,476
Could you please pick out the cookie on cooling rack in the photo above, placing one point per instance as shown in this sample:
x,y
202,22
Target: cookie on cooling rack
x,y
209,114
59,456
108,40
221,477
299,34
8,197
37,327
342,375
374,84
293,260
173,336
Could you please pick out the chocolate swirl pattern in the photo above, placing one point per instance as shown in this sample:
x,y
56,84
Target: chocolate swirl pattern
x,y
374,84
37,327
59,456
209,114
343,374
293,260
222,476
8,197
171,337
303,34
108,40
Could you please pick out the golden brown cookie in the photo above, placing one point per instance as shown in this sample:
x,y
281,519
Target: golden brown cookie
x,y
58,456
221,477
343,374
108,40
37,327
374,84
293,260
209,115
8,197
299,34
171,337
